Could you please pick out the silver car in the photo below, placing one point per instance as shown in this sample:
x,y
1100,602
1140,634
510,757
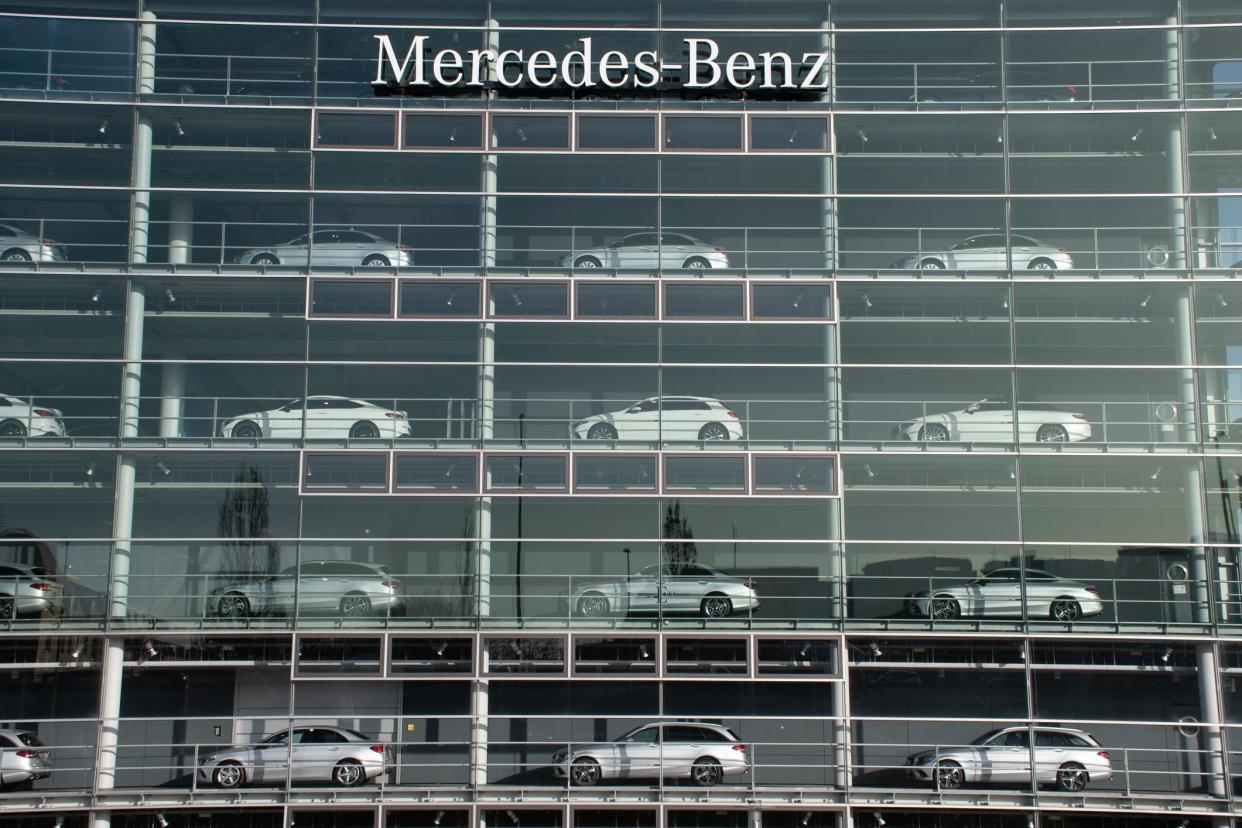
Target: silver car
x,y
705,753
333,248
21,759
322,416
663,418
999,594
27,590
16,245
347,588
19,418
664,250
687,589
992,421
988,252
1068,758
314,754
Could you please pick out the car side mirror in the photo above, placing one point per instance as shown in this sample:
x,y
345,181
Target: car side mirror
x,y
634,410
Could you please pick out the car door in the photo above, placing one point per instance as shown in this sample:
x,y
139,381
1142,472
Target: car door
x,y
639,754
998,594
316,591
271,756
643,589
1009,757
674,250
326,249
681,419
1051,750
296,251
317,753
976,252
286,421
638,250
683,591
1041,589
987,421
322,418
355,246
1024,249
682,745
640,421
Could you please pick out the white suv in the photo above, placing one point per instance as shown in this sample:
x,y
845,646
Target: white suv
x,y
663,418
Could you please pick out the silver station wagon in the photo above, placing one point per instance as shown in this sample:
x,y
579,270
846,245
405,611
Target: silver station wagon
x,y
703,753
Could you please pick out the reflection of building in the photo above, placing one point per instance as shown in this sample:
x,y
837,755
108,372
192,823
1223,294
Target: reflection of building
x,y
684,345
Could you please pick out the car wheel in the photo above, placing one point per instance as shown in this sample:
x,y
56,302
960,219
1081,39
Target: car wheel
x,y
12,428
1042,264
228,775
934,433
1044,97
16,255
601,431
949,774
713,431
364,430
233,605
587,261
348,773
584,772
695,263
376,261
944,608
265,259
1051,433
1065,610
706,772
930,99
355,606
931,264
247,430
593,605
1072,777
6,608
716,606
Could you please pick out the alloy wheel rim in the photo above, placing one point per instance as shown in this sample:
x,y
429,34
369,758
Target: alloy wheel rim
x,y
228,775
716,607
1051,435
594,606
585,773
706,773
935,434
586,263
233,606
353,605
942,608
950,776
713,433
347,773
1073,779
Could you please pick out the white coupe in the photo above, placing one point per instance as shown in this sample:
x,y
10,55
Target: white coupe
x,y
992,421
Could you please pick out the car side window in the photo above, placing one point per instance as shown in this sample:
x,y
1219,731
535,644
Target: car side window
x,y
299,735
1017,738
341,404
682,734
322,737
4,231
649,735
296,405
637,239
1077,741
646,405
354,237
5,403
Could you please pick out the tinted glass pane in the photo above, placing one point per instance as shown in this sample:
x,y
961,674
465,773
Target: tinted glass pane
x,y
788,134
349,130
690,132
437,472
615,474
351,299
523,472
440,298
530,299
616,132
703,474
704,301
433,130
791,301
623,300
521,132
810,475
346,471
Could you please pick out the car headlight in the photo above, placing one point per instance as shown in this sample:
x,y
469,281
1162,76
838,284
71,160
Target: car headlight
x,y
559,757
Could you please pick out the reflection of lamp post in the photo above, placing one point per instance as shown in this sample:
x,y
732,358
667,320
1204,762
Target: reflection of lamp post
x,y
628,571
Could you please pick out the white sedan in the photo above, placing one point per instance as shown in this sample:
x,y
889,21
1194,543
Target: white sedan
x,y
19,418
998,594
323,416
992,421
665,250
663,418
988,252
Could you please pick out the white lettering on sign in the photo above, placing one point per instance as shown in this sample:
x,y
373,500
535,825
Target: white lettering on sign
x,y
705,67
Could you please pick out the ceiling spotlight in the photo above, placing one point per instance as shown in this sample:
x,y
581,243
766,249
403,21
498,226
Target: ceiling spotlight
x,y
439,818
806,818
1030,822
802,653
451,297
521,134
177,126
797,301
866,301
98,294
452,140
77,652
1166,655
440,649
879,819
1005,299
168,294
870,473
90,468
643,652
149,647
161,820
1212,133
1000,134
1136,135
59,823
876,652
103,127
1012,474
1155,475
513,817
1185,823
163,468
1220,300
1146,301
793,135
1021,653
517,300
862,136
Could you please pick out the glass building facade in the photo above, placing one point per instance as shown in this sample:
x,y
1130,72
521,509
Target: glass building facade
x,y
838,423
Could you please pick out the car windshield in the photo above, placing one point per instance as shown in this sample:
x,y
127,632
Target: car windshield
x,y
985,738
276,738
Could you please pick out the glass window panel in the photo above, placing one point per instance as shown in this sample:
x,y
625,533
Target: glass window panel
x,y
777,301
437,472
530,132
525,472
788,134
355,472
546,299
349,130
635,301
710,301
351,298
702,133
616,132
441,298
704,474
797,474
448,131
615,473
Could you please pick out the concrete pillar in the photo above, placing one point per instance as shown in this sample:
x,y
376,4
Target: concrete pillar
x,y
180,230
172,398
478,728
1176,148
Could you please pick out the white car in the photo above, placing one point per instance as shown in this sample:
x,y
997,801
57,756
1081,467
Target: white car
x,y
19,418
21,759
318,754
663,418
999,594
16,245
991,421
705,753
685,589
336,248
1066,757
987,252
324,416
665,250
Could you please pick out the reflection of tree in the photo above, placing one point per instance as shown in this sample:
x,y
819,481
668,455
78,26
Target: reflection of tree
x,y
245,514
463,601
678,549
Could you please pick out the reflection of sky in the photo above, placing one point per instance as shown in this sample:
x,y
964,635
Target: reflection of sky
x,y
1227,75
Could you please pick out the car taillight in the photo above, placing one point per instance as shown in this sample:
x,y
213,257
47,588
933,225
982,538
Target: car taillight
x,y
377,748
740,748
748,583
390,583
1103,754
43,412
732,414
1093,590
42,587
722,250
27,754
395,415
1073,90
404,247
